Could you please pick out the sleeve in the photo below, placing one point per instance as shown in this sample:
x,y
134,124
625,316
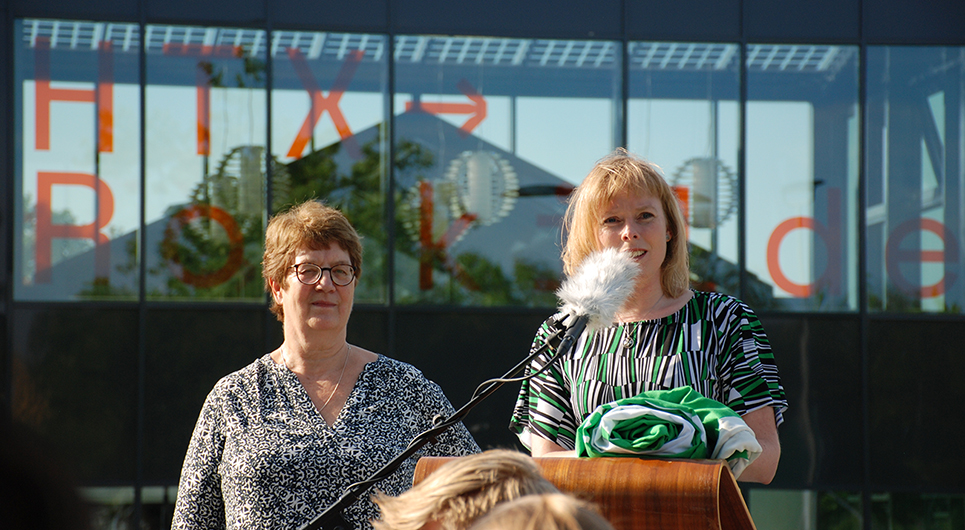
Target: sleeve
x,y
543,407
748,377
455,441
199,503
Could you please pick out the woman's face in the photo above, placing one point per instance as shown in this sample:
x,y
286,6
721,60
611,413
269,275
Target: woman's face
x,y
636,224
323,306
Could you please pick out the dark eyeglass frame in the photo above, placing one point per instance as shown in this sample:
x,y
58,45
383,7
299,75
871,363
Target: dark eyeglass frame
x,y
321,271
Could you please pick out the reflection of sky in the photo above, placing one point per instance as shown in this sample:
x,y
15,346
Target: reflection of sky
x,y
670,132
72,150
780,175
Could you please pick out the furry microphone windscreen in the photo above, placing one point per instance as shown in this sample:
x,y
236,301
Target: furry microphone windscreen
x,y
599,288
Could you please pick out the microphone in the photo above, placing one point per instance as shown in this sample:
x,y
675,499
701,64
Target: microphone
x,y
592,296
597,290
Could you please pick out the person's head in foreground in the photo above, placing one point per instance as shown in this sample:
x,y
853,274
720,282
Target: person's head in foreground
x,y
461,490
554,511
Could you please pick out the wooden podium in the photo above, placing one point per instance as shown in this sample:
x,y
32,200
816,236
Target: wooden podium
x,y
645,494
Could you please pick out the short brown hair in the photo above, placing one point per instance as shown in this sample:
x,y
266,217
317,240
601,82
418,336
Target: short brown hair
x,y
462,490
618,174
310,225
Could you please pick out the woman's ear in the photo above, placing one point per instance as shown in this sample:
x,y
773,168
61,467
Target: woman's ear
x,y
276,291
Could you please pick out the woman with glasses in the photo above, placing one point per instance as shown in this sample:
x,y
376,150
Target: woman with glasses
x,y
280,440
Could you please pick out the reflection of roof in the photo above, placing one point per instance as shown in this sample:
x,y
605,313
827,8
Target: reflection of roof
x,y
443,50
530,231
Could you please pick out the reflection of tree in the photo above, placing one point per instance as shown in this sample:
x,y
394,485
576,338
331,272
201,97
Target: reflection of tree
x,y
711,273
913,511
206,246
359,193
839,511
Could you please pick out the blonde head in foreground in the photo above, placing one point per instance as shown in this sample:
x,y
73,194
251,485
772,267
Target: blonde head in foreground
x,y
543,512
461,490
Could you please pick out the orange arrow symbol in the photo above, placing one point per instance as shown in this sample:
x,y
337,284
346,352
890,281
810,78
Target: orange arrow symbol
x,y
477,108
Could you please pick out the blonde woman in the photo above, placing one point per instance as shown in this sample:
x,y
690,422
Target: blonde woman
x,y
666,335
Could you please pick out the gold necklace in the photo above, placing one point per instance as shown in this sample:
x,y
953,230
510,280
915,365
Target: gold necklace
x,y
344,362
284,359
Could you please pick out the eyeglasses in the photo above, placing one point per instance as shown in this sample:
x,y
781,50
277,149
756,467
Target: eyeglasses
x,y
311,274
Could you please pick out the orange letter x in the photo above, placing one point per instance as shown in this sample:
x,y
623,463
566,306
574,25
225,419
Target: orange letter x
x,y
321,103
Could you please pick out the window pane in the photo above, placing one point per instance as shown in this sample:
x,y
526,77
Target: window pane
x,y
490,136
187,352
329,96
683,115
915,171
805,509
801,166
78,160
901,510
205,170
74,383
899,421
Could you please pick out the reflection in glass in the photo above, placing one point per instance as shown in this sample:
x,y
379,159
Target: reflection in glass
x,y
490,136
74,380
908,510
78,160
801,176
329,95
805,509
683,115
206,162
915,172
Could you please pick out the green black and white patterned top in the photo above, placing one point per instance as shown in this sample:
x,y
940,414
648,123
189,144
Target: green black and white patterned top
x,y
715,344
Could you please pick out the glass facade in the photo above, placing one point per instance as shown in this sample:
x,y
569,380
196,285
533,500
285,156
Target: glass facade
x,y
801,182
683,113
78,161
204,176
490,135
329,103
824,184
914,161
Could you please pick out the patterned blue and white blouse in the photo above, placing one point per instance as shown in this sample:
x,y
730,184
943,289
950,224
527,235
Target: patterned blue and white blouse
x,y
261,455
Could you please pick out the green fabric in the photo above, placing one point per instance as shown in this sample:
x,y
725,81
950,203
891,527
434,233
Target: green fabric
x,y
644,433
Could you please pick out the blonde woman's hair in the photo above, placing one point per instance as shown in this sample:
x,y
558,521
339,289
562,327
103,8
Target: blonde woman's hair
x,y
461,490
614,176
543,512
310,225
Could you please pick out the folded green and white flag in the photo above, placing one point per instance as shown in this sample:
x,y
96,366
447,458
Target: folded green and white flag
x,y
678,423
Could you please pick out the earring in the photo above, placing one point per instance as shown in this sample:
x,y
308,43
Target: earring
x,y
668,237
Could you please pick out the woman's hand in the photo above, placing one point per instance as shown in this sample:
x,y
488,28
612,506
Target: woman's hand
x,y
763,468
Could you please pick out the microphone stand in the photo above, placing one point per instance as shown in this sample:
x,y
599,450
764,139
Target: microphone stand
x,y
332,519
